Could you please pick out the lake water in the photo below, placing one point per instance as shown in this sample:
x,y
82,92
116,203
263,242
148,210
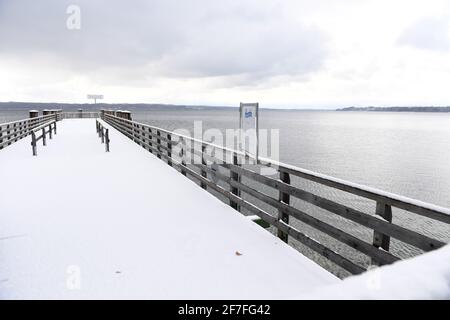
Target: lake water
x,y
403,153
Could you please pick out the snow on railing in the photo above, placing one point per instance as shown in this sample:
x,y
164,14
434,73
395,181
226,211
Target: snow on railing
x,y
80,115
103,134
163,144
44,129
14,131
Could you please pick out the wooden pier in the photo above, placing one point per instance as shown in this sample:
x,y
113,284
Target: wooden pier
x,y
128,213
162,142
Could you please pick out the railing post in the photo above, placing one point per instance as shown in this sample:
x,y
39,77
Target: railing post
x,y
183,156
1,134
139,135
235,177
102,134
54,127
134,133
150,139
7,133
25,127
169,149
379,239
34,113
107,140
126,114
203,172
33,143
158,143
44,140
15,131
285,198
144,138
49,131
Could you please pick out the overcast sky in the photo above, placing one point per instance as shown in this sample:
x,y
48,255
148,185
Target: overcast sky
x,y
287,53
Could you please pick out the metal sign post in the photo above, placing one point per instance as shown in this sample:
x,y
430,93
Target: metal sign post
x,y
95,97
249,120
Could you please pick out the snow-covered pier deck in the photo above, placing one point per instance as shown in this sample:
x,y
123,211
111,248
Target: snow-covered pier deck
x,y
78,222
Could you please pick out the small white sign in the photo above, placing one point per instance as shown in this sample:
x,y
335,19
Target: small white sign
x,y
249,128
95,97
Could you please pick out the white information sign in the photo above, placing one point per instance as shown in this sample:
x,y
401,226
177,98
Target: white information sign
x,y
249,128
95,97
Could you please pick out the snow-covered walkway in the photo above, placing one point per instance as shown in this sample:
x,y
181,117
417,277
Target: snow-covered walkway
x,y
77,222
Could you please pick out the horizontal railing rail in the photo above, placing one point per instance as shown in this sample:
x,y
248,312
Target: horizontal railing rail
x,y
178,149
80,115
14,131
41,132
103,134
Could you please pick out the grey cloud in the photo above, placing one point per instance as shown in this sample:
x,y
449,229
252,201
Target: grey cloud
x,y
199,38
428,34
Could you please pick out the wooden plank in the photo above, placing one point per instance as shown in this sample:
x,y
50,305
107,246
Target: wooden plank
x,y
1,138
183,156
321,249
350,188
107,140
379,239
7,142
150,138
15,131
8,132
158,143
342,236
309,242
165,139
283,197
397,201
408,236
383,227
235,177
203,172
33,143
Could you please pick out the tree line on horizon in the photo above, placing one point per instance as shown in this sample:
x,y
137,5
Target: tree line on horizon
x,y
398,109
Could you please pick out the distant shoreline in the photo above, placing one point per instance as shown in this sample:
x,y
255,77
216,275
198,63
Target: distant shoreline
x,y
173,107
133,107
396,109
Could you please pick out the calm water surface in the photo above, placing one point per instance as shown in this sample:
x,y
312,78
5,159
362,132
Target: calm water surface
x,y
405,153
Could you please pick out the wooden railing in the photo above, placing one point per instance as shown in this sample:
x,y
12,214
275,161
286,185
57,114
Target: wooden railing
x,y
103,134
80,115
41,132
14,131
282,193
